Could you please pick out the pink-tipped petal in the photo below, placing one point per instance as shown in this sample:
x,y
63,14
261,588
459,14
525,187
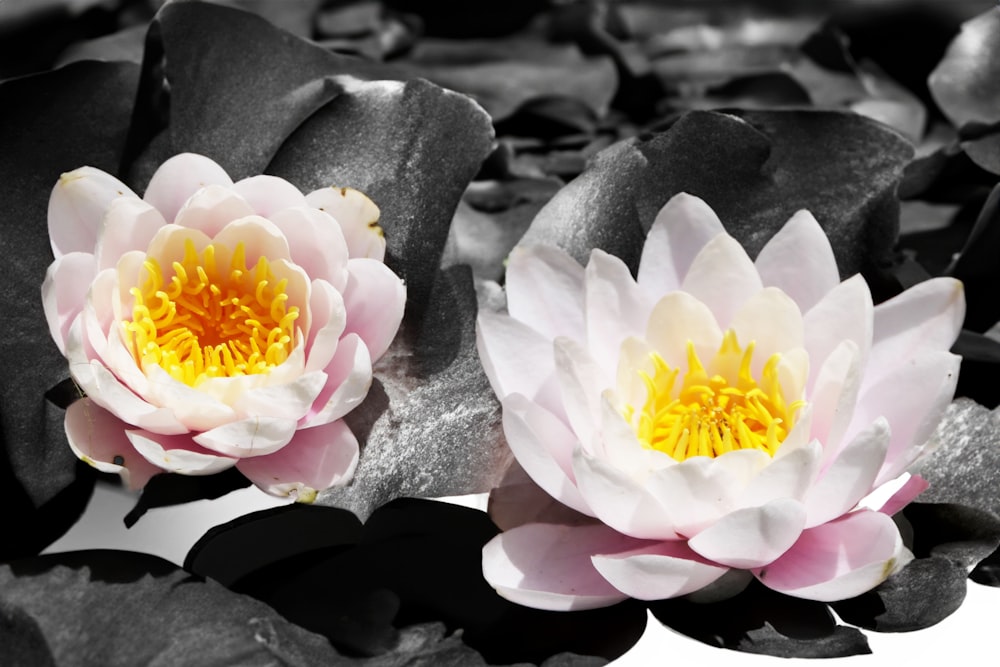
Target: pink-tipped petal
x,y
904,495
840,559
619,501
722,277
178,453
545,290
316,244
548,566
349,377
752,536
130,224
254,436
77,205
329,317
64,293
375,298
615,306
98,438
681,229
658,571
315,459
799,261
212,208
544,446
928,316
268,194
357,217
180,177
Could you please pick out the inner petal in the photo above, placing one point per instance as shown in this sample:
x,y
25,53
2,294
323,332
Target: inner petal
x,y
709,411
207,315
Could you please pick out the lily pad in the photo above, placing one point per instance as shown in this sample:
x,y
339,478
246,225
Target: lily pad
x,y
966,83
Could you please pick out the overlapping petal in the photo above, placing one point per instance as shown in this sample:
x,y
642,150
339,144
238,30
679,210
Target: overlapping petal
x,y
213,323
723,413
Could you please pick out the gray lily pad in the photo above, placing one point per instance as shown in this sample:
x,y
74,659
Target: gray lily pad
x,y
431,424
966,83
755,170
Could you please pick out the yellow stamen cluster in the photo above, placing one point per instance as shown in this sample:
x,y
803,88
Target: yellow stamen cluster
x,y
206,321
711,415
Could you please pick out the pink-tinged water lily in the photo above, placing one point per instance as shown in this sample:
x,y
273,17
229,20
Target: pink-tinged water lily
x,y
215,324
715,415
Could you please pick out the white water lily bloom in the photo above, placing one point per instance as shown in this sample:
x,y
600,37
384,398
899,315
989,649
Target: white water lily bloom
x,y
716,414
215,324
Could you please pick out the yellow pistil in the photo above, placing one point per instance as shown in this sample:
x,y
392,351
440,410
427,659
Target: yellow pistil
x,y
206,321
711,415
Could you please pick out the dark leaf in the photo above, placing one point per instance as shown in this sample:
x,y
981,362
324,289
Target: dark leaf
x,y
431,424
412,148
945,175
966,83
456,18
759,620
977,267
965,535
922,594
755,171
49,123
126,45
164,490
965,466
415,564
985,151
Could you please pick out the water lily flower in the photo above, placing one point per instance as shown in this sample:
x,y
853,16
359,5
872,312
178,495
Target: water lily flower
x,y
713,415
214,324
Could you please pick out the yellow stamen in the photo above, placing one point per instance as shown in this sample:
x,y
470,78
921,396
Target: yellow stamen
x,y
712,415
207,321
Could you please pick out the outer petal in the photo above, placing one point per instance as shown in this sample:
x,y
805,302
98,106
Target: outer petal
x,y
375,298
130,224
357,216
544,447
178,453
834,397
753,536
799,261
315,459
517,359
681,229
619,501
64,292
180,177
580,382
840,559
349,377
845,313
722,277
850,477
548,566
658,571
212,208
615,307
329,317
254,436
316,243
78,202
545,290
98,438
928,316
268,194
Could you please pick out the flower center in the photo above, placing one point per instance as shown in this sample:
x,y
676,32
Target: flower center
x,y
206,321
709,415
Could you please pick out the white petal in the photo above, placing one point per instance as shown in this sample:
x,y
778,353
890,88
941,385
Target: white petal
x,y
722,277
180,177
681,229
615,307
788,476
658,571
98,438
64,292
772,321
77,205
212,208
834,397
548,566
349,377
316,244
268,194
799,261
517,359
678,318
130,224
850,476
254,436
329,317
357,216
544,447
581,381
545,290
194,408
845,313
753,536
290,400
178,453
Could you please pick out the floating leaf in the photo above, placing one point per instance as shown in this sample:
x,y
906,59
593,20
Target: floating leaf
x,y
966,83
